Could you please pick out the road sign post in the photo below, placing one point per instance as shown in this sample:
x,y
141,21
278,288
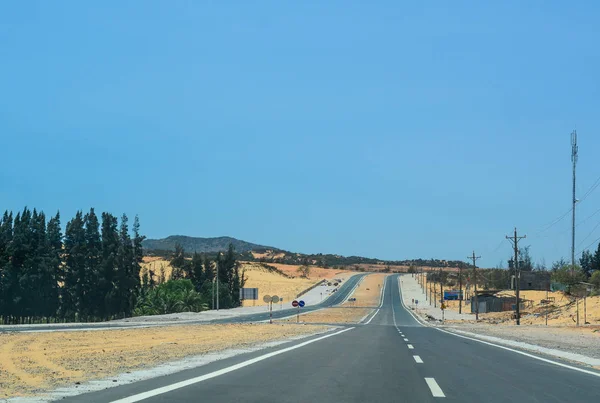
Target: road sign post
x,y
295,304
270,300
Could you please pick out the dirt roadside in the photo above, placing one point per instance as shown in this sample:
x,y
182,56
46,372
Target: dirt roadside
x,y
34,363
368,292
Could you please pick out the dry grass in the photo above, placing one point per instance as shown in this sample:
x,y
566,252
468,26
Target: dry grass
x,y
272,283
333,315
316,273
368,293
31,363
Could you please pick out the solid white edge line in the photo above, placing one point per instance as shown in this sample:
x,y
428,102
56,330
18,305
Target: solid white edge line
x,y
375,314
418,359
410,346
382,294
436,391
560,364
178,385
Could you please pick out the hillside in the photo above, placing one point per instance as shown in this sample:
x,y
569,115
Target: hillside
x,y
200,245
252,252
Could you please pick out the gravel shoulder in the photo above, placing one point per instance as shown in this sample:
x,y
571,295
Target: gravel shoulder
x,y
583,340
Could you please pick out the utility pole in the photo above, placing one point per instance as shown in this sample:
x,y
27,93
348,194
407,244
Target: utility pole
x,y
574,157
217,267
429,283
441,289
459,289
425,288
474,258
515,241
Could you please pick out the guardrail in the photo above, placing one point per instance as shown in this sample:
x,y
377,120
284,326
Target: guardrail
x,y
310,288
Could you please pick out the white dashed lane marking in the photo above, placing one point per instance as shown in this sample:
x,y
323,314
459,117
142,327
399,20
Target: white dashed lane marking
x,y
436,391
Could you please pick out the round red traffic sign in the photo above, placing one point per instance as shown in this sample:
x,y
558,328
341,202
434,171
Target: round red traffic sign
x,y
294,303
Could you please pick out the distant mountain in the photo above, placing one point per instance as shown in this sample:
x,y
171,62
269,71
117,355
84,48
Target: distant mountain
x,y
200,245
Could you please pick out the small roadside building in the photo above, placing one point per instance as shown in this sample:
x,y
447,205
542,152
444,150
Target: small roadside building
x,y
490,302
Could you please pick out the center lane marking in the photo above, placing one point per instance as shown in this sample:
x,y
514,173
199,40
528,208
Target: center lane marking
x,y
436,391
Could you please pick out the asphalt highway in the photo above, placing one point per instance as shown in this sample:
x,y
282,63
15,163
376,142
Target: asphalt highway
x,y
336,298
393,358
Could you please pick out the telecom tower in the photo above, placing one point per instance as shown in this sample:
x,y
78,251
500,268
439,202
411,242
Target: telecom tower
x,y
574,155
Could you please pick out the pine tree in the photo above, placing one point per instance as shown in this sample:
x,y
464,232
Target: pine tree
x,y
19,255
209,272
94,299
197,271
110,248
76,283
138,253
586,262
53,274
35,267
5,242
125,286
178,263
596,259
226,271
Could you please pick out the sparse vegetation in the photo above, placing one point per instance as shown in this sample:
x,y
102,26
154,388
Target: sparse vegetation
x,y
304,271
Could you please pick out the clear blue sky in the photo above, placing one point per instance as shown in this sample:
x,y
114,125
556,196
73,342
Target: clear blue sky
x,y
390,130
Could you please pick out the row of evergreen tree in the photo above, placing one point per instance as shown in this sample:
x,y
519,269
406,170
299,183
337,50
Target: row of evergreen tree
x,y
90,273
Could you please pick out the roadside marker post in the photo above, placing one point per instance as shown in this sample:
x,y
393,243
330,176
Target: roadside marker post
x,y
295,304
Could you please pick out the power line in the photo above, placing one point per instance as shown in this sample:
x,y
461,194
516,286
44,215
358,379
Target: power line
x,y
592,244
591,189
588,217
553,223
588,235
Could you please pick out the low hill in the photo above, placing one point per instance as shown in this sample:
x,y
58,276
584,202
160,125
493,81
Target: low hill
x,y
200,245
252,252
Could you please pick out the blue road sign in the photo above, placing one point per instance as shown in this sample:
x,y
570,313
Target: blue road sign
x,y
301,303
417,301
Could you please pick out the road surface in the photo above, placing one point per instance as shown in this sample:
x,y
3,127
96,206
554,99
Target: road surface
x,y
336,298
393,358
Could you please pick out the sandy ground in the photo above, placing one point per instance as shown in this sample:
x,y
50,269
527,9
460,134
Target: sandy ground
x,y
31,363
333,315
368,292
562,311
272,283
157,265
